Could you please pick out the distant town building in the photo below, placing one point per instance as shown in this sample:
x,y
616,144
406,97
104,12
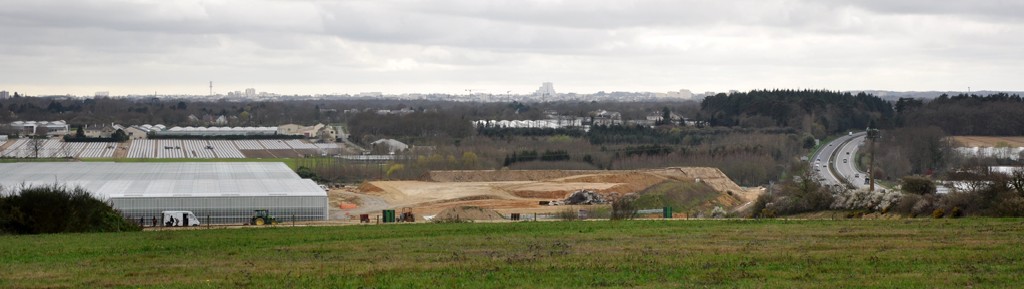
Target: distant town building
x,y
681,94
4,94
370,94
546,89
102,94
250,92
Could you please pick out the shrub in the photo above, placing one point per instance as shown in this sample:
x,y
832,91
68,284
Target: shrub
x,y
568,214
918,185
624,207
956,213
878,200
906,203
56,209
938,213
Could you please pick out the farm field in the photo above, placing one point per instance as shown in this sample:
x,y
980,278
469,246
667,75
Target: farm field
x,y
988,141
964,253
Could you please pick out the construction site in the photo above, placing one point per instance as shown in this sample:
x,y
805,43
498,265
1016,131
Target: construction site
x,y
494,195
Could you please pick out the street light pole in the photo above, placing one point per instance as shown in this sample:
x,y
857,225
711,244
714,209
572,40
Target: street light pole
x,y
872,135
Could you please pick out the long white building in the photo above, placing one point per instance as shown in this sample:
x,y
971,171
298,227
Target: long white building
x,y
218,193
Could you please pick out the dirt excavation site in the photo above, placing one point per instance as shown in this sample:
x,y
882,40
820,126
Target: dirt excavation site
x,y
481,194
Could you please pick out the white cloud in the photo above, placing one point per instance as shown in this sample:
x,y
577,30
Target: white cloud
x,y
57,47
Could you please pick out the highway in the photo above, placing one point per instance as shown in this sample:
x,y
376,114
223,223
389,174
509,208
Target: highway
x,y
833,154
845,164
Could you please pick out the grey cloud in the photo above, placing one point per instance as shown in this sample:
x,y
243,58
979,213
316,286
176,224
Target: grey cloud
x,y
997,10
595,44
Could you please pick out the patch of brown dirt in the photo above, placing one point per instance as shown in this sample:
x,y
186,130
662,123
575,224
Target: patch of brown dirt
x,y
468,213
369,187
500,175
263,154
627,181
555,190
988,141
520,190
121,151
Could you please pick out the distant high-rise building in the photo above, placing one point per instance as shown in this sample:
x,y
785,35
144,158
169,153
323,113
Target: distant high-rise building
x,y
546,89
102,94
4,94
250,92
682,93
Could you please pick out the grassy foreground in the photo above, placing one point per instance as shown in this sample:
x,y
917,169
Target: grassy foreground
x,y
978,253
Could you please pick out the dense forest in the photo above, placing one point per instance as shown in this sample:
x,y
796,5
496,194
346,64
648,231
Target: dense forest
x,y
819,112
992,115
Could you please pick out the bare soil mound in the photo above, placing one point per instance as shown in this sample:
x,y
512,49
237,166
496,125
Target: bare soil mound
x,y
369,187
468,213
711,176
627,181
557,190
523,189
644,178
500,176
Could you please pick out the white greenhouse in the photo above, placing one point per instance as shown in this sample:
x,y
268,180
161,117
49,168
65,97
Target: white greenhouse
x,y
217,192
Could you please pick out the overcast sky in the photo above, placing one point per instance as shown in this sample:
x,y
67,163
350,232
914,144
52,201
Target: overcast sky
x,y
310,47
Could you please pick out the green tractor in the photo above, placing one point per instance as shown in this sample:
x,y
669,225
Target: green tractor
x,y
262,217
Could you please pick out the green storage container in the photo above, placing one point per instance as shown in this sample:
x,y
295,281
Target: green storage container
x,y
667,212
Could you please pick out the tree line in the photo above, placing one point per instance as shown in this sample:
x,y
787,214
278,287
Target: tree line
x,y
992,115
818,112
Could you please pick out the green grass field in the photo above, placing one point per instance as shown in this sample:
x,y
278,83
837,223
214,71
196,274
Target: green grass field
x,y
971,253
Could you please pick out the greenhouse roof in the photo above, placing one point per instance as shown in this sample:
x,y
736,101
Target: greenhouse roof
x,y
198,179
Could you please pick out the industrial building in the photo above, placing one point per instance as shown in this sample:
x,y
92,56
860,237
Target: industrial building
x,y
217,192
212,131
57,127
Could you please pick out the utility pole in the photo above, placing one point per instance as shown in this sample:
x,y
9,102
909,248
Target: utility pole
x,y
872,135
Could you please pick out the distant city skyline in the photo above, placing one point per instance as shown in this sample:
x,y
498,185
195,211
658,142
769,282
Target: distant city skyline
x,y
55,47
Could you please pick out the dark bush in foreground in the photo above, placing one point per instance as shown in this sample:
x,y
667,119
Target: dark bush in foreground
x,y
57,209
918,185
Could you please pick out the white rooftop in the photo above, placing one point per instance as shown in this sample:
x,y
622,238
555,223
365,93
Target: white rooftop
x,y
199,179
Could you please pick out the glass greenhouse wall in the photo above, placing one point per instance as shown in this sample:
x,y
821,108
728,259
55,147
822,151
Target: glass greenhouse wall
x,y
224,210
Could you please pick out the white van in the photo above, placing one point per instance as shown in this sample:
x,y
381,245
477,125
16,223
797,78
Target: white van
x,y
179,219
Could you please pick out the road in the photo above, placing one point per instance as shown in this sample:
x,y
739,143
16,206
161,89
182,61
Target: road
x,y
845,162
841,154
828,155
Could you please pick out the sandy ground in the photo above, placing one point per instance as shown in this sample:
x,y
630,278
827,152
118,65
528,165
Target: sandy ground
x,y
4,145
520,191
988,141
